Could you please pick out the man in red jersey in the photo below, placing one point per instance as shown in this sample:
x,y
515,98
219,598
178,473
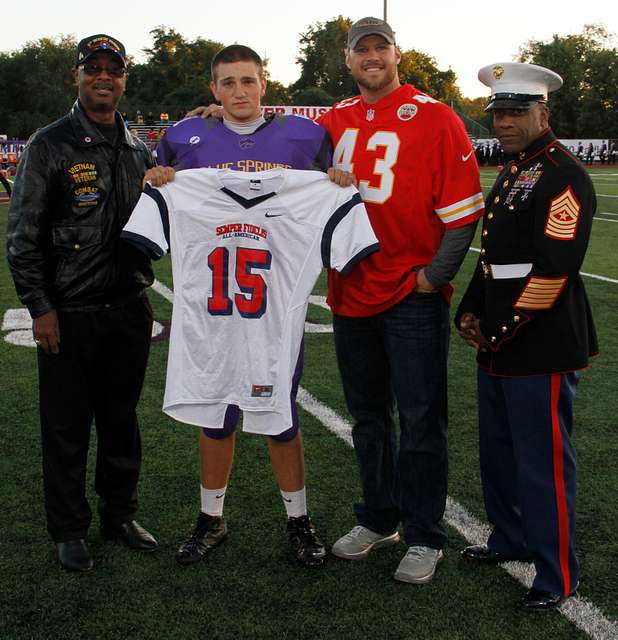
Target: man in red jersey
x,y
419,179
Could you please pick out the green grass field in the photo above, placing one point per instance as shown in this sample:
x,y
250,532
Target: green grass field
x,y
250,587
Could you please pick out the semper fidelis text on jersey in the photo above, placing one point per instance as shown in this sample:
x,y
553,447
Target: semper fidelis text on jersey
x,y
527,290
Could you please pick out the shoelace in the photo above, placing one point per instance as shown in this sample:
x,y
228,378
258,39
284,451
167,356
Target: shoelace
x,y
417,552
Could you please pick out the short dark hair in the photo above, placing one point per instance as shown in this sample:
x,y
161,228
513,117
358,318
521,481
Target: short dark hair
x,y
235,53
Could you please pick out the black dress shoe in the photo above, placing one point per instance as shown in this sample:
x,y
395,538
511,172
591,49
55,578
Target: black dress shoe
x,y
131,533
73,555
537,600
482,554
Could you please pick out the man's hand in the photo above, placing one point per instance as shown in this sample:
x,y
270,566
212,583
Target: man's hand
x,y
470,331
340,177
212,110
158,176
47,332
422,283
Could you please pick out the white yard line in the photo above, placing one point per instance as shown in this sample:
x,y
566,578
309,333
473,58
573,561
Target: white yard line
x,y
579,611
604,219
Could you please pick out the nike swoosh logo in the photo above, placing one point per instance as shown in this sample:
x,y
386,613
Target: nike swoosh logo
x,y
287,499
219,497
465,158
273,215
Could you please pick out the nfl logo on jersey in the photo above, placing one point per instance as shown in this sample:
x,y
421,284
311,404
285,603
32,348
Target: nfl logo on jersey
x,y
370,114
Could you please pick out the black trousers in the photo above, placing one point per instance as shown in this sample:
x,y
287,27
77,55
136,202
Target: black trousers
x,y
98,375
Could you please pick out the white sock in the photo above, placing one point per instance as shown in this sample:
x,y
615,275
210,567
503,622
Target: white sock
x,y
295,503
212,500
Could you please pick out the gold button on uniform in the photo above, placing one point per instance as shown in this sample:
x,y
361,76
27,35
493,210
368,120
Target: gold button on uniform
x,y
515,318
490,215
483,252
485,232
496,199
505,329
505,183
494,339
513,169
511,207
75,246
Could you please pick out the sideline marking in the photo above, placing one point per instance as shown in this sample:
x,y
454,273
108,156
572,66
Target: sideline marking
x,y
577,610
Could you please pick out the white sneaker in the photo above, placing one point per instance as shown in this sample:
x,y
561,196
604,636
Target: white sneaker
x,y
357,544
418,565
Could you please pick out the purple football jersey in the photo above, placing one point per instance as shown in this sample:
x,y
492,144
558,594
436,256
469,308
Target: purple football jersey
x,y
289,142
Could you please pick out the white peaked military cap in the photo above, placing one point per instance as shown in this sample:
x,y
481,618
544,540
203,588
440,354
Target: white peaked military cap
x,y
517,85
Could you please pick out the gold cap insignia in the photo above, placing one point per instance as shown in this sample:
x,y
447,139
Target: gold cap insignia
x,y
498,72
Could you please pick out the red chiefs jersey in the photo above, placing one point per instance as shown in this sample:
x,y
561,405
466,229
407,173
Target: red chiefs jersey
x,y
417,175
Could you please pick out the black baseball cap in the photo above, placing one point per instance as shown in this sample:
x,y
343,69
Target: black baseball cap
x,y
369,27
100,42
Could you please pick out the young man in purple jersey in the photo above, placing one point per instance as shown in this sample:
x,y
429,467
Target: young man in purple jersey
x,y
244,140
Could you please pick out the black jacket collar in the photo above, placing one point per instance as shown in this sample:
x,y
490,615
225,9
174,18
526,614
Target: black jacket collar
x,y
88,135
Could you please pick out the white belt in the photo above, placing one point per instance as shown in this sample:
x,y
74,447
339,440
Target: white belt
x,y
503,271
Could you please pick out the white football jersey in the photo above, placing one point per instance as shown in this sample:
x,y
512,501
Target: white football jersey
x,y
246,250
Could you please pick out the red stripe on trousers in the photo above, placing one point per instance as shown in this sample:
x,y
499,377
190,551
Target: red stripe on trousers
x,y
563,516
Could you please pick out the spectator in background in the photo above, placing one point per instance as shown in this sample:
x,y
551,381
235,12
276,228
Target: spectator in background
x,y
603,153
580,152
589,153
5,183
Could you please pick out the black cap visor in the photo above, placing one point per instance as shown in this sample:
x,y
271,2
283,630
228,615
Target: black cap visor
x,y
520,101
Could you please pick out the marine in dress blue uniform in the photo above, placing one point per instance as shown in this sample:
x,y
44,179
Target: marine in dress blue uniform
x,y
527,313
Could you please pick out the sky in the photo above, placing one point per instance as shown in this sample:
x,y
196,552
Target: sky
x,y
463,36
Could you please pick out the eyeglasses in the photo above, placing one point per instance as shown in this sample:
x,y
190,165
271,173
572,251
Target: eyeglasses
x,y
96,70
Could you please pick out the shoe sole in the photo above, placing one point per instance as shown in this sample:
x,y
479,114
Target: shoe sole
x,y
404,577
383,542
187,563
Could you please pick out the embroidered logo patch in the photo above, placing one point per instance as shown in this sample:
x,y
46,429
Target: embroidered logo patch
x,y
540,293
83,172
86,196
370,114
564,210
407,111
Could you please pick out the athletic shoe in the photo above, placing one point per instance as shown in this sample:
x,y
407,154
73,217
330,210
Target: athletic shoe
x,y
418,565
208,533
307,547
358,543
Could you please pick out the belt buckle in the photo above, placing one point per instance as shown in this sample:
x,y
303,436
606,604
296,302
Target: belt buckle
x,y
487,273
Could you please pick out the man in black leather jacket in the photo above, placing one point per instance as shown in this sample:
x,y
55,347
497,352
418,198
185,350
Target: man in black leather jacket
x,y
77,182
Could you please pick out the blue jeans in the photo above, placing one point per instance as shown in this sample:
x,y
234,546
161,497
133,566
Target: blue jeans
x,y
397,359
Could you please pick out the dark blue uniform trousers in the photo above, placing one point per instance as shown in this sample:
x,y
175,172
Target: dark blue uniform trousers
x,y
528,471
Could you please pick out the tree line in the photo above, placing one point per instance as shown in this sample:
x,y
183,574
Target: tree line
x,y
36,85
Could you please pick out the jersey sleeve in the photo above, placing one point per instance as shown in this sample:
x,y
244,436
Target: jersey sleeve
x,y
348,236
148,227
458,196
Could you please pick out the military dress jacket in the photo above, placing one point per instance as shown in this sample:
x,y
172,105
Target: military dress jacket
x,y
526,289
